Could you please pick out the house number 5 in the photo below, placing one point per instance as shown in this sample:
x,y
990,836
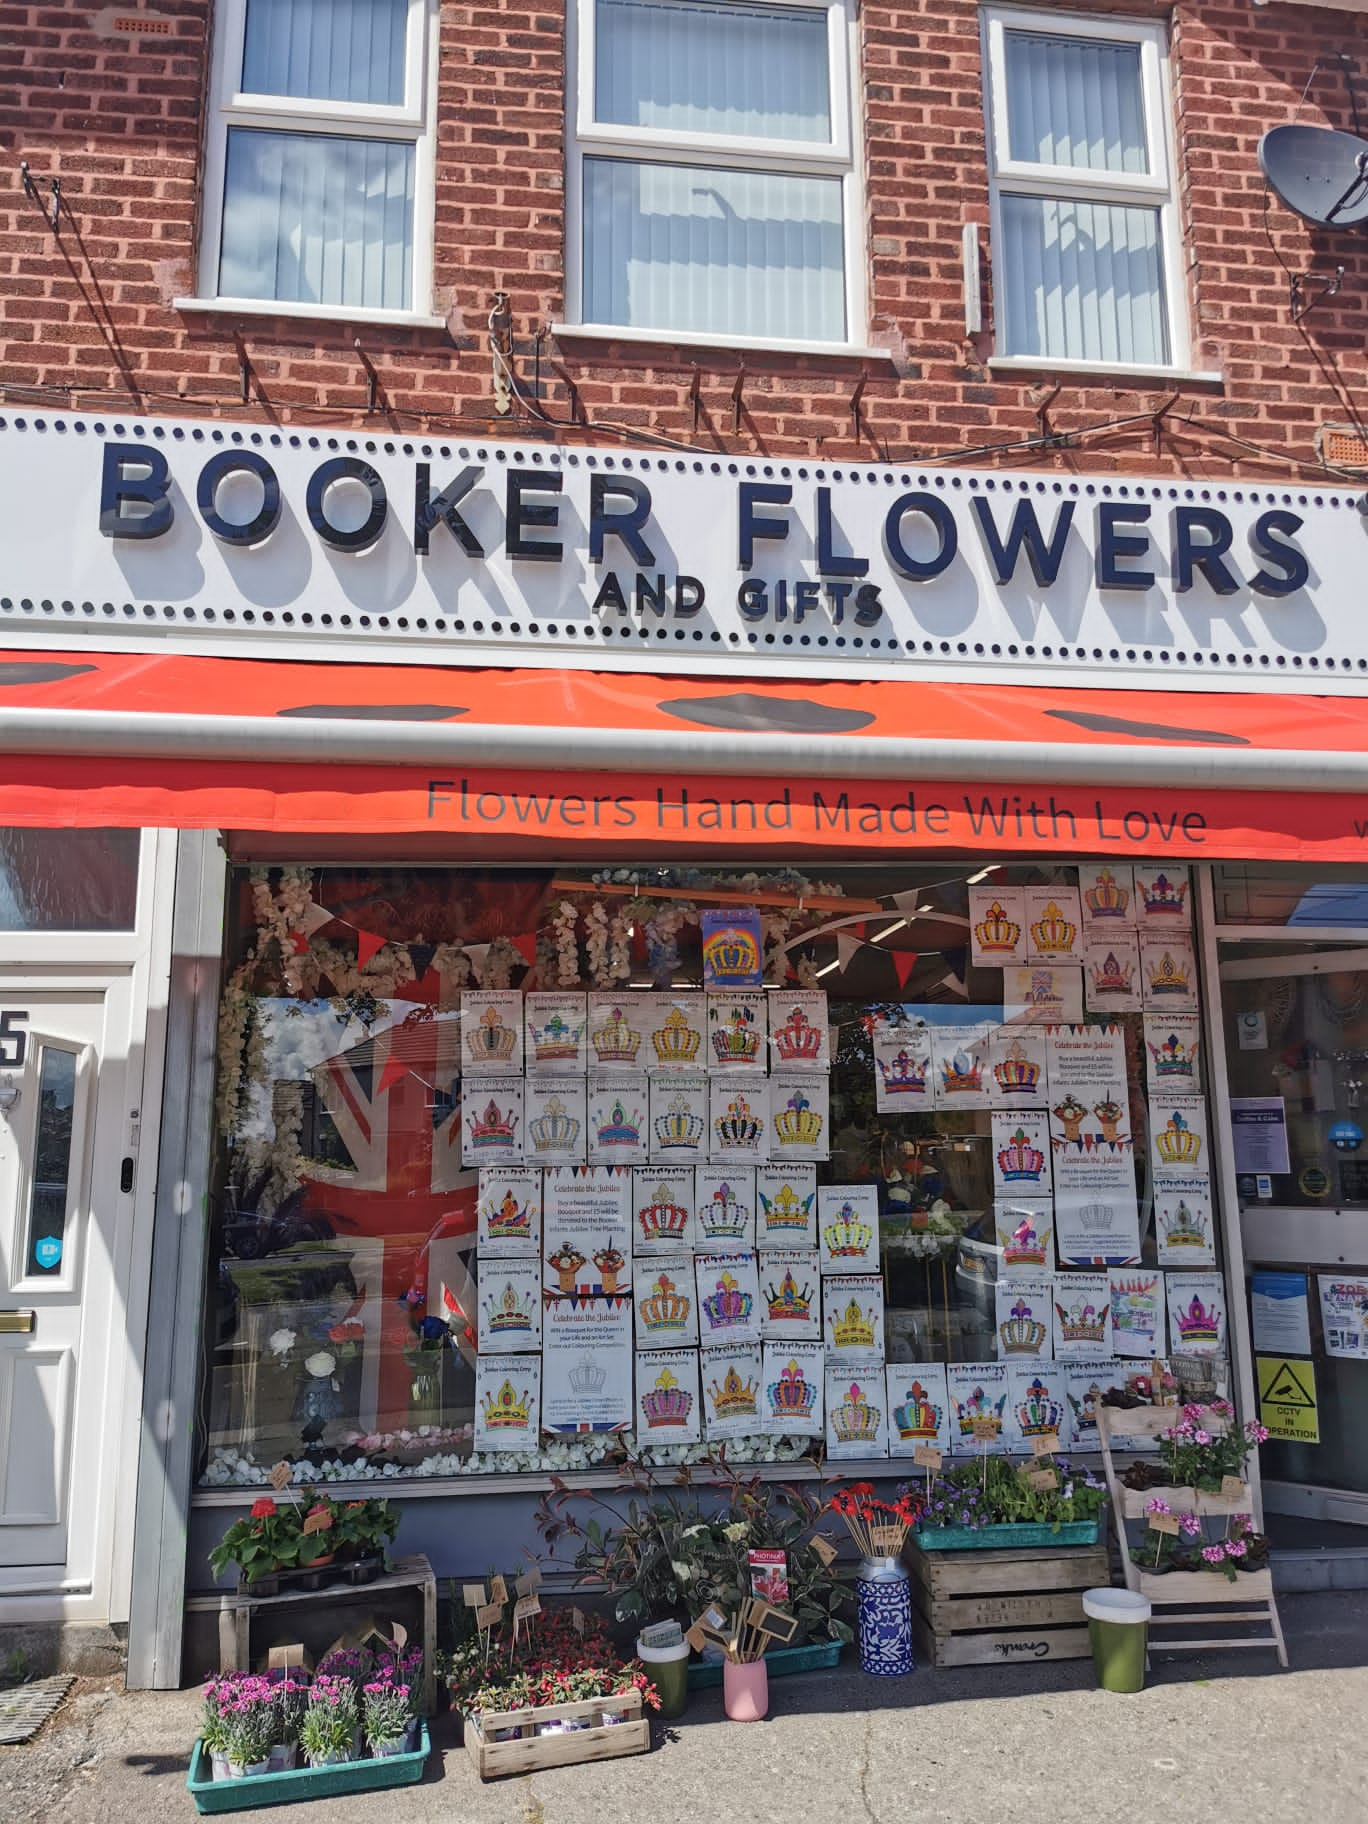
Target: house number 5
x,y
13,1039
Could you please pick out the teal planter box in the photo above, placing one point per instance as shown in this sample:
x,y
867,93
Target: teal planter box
x,y
704,1674
997,1538
254,1790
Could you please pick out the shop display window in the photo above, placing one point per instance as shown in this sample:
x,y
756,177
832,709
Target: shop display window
x,y
520,1171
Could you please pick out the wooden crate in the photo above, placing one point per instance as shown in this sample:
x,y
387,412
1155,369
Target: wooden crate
x,y
528,1752
996,1608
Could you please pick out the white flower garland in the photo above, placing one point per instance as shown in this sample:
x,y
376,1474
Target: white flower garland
x,y
567,950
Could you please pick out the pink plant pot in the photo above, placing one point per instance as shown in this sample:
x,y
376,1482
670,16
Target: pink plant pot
x,y
745,1691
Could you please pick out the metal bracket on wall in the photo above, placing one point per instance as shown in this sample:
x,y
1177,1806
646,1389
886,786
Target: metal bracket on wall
x,y
372,378
30,183
855,399
736,398
1308,289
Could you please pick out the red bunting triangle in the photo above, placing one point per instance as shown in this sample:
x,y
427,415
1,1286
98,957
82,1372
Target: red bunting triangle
x,y
526,947
367,943
903,961
395,1069
300,942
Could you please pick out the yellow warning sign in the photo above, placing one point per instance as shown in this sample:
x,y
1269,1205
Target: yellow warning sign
x,y
1287,1399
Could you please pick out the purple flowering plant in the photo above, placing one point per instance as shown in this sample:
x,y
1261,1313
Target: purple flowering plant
x,y
993,1492
1206,1445
331,1718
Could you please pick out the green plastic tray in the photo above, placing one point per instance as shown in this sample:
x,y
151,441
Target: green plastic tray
x,y
996,1538
253,1790
705,1673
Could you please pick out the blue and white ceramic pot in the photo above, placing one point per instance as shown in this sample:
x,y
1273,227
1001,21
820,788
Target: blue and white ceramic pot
x,y
885,1617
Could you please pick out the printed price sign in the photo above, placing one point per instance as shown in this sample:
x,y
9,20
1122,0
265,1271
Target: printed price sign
x,y
526,1607
1045,1444
927,1456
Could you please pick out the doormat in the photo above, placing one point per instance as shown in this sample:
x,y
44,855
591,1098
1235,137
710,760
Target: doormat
x,y
24,1710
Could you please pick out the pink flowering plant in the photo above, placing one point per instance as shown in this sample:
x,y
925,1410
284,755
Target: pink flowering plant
x,y
1206,1445
386,1708
249,1721
1162,1550
330,1719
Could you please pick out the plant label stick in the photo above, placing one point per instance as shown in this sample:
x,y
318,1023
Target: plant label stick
x,y
1042,1478
1164,1523
473,1595
1233,1488
577,1621
317,1523
824,1549
697,1637
279,1477
488,1615
498,1590
927,1456
1045,1444
525,1585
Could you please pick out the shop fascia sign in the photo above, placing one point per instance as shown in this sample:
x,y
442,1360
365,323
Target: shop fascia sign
x,y
233,535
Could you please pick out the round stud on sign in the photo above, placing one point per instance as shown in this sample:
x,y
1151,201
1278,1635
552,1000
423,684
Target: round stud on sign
x,y
1346,1136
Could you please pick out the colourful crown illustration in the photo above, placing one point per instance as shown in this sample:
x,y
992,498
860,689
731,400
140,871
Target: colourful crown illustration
x,y
724,1217
508,1312
728,1306
1132,1310
731,954
491,1042
1183,1227
676,1042
1017,1074
903,1075
785,1303
554,1130
1019,1161
1163,897
1173,1059
786,1210
667,1403
1052,931
854,1420
961,1073
798,1041
1177,1144
791,1397
557,1042
507,1410
853,1328
494,1127
1105,898
1082,1323
847,1235
977,1408
997,931
1021,1333
662,1219
737,1042
1038,1413
1168,976
1112,976
735,1398
620,1128
1199,1323
616,1042
737,1126
1085,1407
1025,1247
665,1308
679,1126
917,1418
797,1123
588,1377
510,1220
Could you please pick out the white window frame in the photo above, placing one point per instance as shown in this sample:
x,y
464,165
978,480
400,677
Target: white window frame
x,y
1154,189
411,121
588,138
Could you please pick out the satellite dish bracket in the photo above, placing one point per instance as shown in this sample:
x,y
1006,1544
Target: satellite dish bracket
x,y
1308,289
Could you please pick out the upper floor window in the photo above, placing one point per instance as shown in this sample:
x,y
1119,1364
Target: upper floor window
x,y
713,177
318,175
1086,264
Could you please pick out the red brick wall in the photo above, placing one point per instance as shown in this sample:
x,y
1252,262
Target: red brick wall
x,y
88,316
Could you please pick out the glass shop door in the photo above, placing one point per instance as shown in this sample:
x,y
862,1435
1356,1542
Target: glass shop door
x,y
1296,1034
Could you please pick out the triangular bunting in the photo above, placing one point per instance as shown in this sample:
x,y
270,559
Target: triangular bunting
x,y
903,963
907,903
300,943
420,956
367,943
846,949
313,918
395,1068
477,954
526,947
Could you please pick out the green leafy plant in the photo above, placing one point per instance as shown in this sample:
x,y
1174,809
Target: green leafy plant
x,y
270,1538
330,1719
994,1492
385,1711
1206,1445
552,1663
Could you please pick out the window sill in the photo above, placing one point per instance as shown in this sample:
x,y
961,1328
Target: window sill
x,y
1113,370
323,313
687,338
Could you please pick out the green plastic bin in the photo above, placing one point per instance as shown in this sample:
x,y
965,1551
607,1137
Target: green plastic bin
x,y
1118,1631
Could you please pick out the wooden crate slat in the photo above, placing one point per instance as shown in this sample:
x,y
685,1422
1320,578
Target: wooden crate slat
x,y
991,1572
1181,1501
1001,1647
960,1614
1197,1587
531,1752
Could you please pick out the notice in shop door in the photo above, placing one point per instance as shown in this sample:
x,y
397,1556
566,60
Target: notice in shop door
x,y
1287,1399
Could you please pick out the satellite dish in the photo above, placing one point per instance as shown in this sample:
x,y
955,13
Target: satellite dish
x,y
1319,173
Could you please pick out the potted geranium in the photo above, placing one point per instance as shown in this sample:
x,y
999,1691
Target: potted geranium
x,y
361,1531
328,1732
270,1539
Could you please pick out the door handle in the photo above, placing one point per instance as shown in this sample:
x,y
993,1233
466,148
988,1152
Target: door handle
x,y
17,1323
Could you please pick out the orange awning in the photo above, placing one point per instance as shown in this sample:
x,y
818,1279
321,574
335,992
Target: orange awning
x,y
581,762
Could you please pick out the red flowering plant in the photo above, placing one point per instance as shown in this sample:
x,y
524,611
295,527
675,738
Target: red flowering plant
x,y
879,1528
552,1663
270,1538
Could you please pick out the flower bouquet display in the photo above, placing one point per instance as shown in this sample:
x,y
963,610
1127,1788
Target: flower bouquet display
x,y
880,1530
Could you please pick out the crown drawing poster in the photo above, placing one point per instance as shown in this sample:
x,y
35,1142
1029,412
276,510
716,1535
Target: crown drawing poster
x,y
666,1307
1183,1224
618,1116
663,1209
1053,922
1173,1053
508,1211
1024,1319
1137,1302
1111,973
791,1403
555,1120
791,1297
587,1365
848,1228
1107,895
961,1065
799,1035
1197,1313
918,1407
1021,1154
738,1120
800,1115
510,1307
587,1231
1178,1136
1163,898
679,1120
853,1317
679,1031
1018,1073
669,1407
978,1394
1025,1236
507,1403
904,1082
491,1121
492,1032
732,949
1082,1316
724,1208
997,926
738,1033
1084,1387
786,1206
731,1374
728,1287
1168,973
856,1412
1037,1403
1042,994
619,1028
1097,1228
557,1033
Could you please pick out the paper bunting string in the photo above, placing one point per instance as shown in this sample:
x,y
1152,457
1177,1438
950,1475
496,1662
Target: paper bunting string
x,y
904,961
367,943
846,949
526,946
314,917
420,958
395,1068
